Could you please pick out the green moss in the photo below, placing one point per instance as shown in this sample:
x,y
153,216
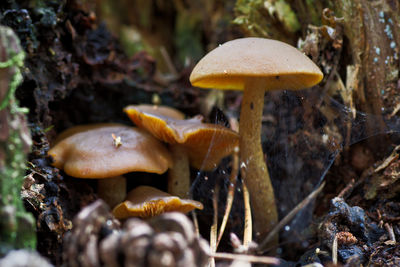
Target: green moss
x,y
314,12
269,19
16,60
188,36
16,225
287,16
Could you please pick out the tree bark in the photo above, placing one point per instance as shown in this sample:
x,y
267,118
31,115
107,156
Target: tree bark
x,y
373,50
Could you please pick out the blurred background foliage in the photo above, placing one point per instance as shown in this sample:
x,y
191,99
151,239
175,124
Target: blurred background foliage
x,y
175,33
178,33
187,29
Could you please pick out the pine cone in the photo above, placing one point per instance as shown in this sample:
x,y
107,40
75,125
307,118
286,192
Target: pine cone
x,y
167,240
89,227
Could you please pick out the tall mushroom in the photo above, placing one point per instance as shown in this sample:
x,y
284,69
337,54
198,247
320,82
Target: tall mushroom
x,y
256,65
95,154
203,145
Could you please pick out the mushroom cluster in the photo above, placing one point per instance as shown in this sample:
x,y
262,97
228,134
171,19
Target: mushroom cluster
x,y
255,65
106,152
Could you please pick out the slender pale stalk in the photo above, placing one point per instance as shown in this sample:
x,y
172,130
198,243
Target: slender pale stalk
x,y
231,193
179,174
112,190
214,226
251,156
248,222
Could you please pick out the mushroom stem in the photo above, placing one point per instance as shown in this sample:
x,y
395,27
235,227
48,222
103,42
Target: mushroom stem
x,y
179,174
251,155
112,190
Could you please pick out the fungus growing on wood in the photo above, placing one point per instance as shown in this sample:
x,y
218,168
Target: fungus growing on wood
x,y
203,145
147,201
93,154
256,65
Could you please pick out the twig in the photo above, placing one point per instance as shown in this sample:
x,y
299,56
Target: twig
x,y
168,62
390,231
395,110
196,223
248,222
231,193
248,258
232,182
393,156
289,216
214,226
346,189
334,249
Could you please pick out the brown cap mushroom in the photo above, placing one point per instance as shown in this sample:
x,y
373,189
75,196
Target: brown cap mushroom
x,y
81,128
255,65
157,110
204,144
95,154
279,65
146,201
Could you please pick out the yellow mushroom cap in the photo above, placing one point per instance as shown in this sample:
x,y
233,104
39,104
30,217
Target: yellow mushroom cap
x,y
206,144
281,65
146,201
94,154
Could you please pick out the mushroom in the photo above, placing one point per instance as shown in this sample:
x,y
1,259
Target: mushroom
x,y
146,201
203,145
255,65
81,128
95,154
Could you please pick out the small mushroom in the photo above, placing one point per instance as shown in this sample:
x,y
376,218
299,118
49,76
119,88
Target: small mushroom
x,y
147,201
81,128
255,65
93,154
203,145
